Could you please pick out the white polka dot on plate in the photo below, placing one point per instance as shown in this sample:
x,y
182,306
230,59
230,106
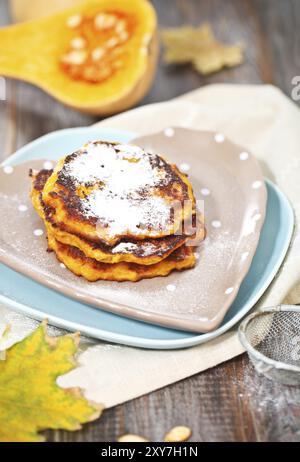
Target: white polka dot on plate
x,y
244,155
256,184
38,232
169,132
185,167
245,255
219,138
79,295
216,224
48,165
256,217
205,192
22,208
8,169
229,290
171,287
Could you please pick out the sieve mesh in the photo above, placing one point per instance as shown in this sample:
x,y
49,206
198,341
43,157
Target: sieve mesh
x,y
272,338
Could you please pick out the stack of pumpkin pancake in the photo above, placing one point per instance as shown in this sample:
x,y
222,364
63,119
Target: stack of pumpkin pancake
x,y
115,212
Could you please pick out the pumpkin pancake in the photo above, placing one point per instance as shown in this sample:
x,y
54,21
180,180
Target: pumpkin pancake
x,y
147,252
93,270
107,192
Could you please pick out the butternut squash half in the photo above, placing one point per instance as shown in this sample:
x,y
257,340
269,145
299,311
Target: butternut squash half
x,y
98,57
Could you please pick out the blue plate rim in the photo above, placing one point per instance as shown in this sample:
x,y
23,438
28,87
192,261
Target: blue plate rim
x,y
13,159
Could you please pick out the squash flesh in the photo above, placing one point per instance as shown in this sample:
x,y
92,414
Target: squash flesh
x,y
32,52
99,46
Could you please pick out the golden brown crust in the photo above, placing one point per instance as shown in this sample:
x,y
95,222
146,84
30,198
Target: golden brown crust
x,y
66,211
98,237
92,270
146,252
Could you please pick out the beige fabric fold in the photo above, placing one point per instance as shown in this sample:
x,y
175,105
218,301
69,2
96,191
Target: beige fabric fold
x,y
265,122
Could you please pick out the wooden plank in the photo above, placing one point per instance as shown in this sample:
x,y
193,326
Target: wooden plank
x,y
231,23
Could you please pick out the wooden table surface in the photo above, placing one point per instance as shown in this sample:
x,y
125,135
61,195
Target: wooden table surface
x,y
229,402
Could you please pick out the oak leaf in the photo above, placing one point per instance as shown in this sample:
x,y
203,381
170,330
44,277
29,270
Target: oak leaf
x,y
30,399
199,47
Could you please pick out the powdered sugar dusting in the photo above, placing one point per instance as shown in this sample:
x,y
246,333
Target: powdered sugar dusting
x,y
125,176
48,165
125,247
144,248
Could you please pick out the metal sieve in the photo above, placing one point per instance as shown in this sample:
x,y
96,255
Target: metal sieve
x,y
271,337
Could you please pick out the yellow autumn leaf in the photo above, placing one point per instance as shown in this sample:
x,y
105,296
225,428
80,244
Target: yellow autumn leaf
x,y
198,45
30,399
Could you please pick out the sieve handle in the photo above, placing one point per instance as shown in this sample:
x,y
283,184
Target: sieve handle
x,y
286,308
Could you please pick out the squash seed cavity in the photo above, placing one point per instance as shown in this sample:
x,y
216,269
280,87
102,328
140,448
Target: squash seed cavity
x,y
96,52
